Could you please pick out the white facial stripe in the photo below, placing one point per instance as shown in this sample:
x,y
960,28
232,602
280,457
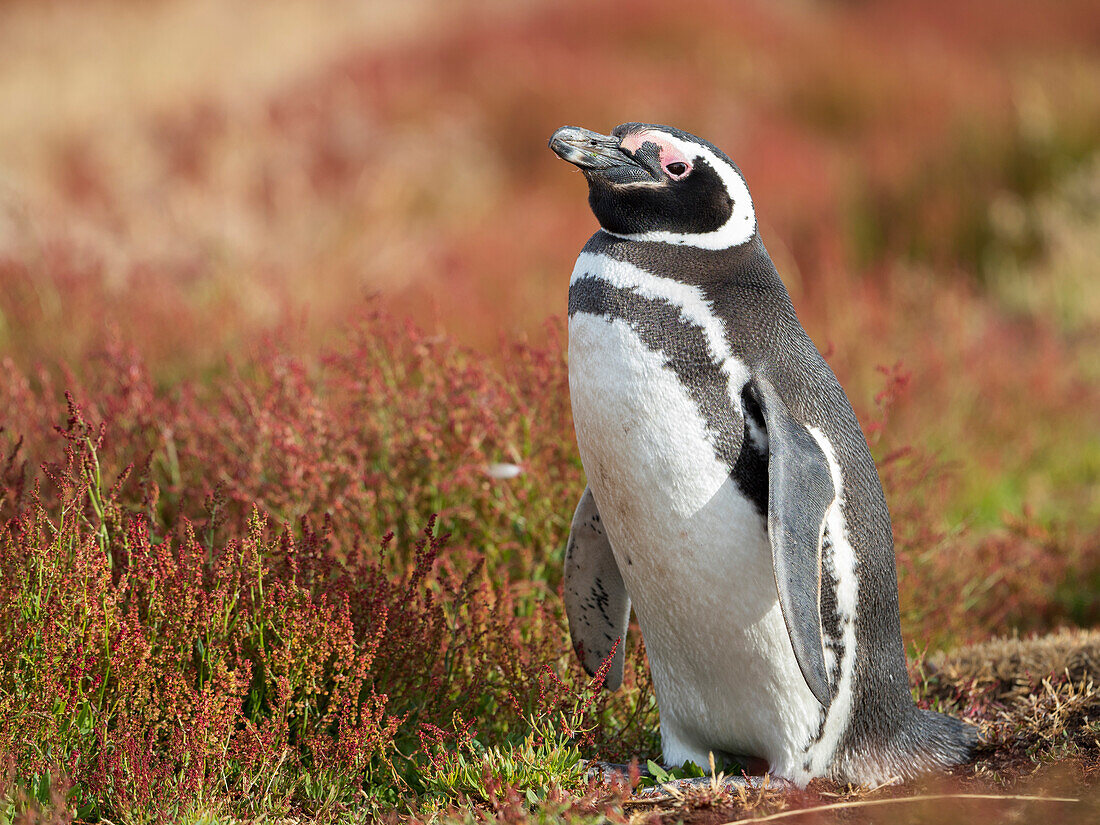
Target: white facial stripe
x,y
847,598
741,225
688,299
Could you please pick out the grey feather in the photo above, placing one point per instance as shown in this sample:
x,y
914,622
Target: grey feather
x,y
800,492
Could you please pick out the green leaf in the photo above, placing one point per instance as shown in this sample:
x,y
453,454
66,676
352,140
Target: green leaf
x,y
660,775
689,770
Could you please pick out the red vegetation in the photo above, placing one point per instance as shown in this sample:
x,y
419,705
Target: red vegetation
x,y
163,635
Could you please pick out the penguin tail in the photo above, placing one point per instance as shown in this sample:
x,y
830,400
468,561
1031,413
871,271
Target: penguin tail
x,y
942,741
926,741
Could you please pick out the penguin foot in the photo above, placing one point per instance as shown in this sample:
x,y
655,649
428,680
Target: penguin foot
x,y
608,772
682,786
754,775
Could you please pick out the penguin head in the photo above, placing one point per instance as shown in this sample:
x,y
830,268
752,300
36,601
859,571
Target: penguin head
x,y
659,184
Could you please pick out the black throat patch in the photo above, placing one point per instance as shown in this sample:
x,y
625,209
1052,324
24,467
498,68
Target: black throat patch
x,y
698,203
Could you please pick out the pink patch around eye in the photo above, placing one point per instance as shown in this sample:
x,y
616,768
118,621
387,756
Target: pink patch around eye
x,y
669,153
633,142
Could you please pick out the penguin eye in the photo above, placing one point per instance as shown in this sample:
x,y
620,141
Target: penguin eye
x,y
677,169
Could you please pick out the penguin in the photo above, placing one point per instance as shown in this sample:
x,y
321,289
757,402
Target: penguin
x,y
732,499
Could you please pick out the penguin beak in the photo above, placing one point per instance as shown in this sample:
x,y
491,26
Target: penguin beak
x,y
591,151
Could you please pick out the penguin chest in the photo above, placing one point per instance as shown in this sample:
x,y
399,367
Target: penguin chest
x,y
674,515
692,548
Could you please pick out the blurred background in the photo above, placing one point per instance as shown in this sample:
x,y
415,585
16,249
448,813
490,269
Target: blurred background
x,y
192,177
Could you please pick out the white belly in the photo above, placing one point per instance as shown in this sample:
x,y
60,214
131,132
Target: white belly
x,y
694,556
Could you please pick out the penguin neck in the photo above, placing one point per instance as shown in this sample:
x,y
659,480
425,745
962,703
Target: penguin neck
x,y
746,267
740,287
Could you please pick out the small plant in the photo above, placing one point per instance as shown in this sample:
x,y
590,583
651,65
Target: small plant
x,y
545,760
657,775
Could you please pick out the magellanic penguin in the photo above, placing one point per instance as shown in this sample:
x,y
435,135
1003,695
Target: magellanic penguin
x,y
731,498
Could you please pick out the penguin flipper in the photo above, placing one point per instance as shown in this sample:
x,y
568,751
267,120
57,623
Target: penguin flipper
x,y
596,602
800,492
